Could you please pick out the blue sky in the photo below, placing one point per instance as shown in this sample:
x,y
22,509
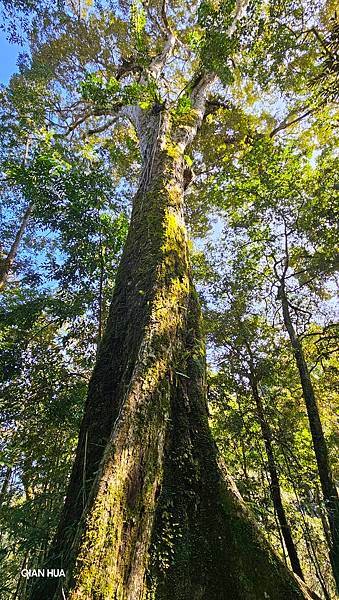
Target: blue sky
x,y
9,55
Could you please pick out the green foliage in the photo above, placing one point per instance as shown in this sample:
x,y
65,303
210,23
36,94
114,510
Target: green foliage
x,y
278,219
326,79
264,186
218,47
184,106
105,94
95,88
138,24
40,412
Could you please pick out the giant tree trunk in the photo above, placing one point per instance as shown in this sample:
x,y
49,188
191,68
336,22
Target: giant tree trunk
x,y
148,514
328,486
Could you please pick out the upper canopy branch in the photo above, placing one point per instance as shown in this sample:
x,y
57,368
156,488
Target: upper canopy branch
x,y
165,18
82,118
288,121
159,61
120,110
127,67
199,91
240,8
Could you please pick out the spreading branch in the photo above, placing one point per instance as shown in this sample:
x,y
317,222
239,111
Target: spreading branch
x,y
159,61
287,122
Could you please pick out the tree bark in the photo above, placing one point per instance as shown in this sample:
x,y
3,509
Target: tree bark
x,y
156,519
6,264
328,486
274,478
5,484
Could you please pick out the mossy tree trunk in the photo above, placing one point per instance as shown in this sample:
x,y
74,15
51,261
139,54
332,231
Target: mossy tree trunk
x,y
149,514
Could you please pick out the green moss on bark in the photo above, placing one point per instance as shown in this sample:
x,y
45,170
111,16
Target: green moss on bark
x,y
204,544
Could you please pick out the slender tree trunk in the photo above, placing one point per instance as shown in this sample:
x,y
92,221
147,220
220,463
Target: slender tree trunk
x,y
5,484
312,554
274,479
328,487
161,522
323,517
22,582
6,264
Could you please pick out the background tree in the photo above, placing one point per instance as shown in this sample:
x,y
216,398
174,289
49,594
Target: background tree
x,y
263,232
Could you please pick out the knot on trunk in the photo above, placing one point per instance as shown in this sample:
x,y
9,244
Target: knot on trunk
x,y
188,177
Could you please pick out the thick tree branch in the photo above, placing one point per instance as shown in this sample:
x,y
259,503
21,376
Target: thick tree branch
x,y
159,61
103,127
199,90
94,112
127,67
